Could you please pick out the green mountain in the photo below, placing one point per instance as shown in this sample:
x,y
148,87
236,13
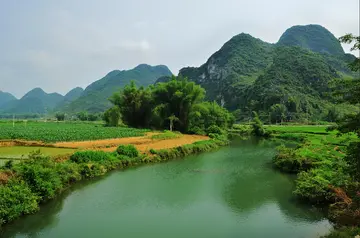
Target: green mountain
x,y
240,61
35,101
313,37
5,98
294,74
71,96
95,97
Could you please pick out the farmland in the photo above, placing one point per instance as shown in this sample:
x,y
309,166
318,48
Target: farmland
x,y
49,132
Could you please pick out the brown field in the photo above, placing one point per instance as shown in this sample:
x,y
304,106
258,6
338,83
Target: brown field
x,y
143,144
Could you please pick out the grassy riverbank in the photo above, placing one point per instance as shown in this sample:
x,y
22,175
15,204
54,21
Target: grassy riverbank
x,y
323,176
25,185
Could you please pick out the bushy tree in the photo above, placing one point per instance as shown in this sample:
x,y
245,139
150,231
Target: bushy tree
x,y
207,114
60,116
177,98
112,116
82,116
350,92
257,126
135,105
278,113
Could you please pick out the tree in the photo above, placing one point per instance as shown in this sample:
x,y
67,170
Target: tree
x,y
177,98
278,113
82,116
207,114
172,119
257,126
135,105
350,92
60,116
112,116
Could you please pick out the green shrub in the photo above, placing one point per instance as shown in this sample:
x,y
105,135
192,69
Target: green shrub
x,y
288,161
152,151
16,199
41,176
214,130
89,156
128,150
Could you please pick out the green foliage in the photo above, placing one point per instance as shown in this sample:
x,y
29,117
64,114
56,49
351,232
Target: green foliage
x,y
82,116
278,113
176,98
257,126
60,116
135,105
112,116
344,232
207,115
54,132
90,156
16,199
312,37
41,176
288,161
128,150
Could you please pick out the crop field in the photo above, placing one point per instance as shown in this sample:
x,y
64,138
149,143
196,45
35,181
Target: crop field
x,y
49,132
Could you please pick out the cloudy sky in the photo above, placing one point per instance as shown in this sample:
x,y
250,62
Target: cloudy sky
x,y
58,45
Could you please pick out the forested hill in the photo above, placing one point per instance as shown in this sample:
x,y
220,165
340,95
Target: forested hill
x,y
95,97
313,37
248,74
35,101
6,97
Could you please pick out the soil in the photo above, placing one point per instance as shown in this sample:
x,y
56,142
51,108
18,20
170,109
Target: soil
x,y
143,144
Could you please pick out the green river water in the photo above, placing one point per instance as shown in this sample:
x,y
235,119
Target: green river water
x,y
229,193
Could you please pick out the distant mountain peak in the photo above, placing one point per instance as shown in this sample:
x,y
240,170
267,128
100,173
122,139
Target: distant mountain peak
x,y
312,37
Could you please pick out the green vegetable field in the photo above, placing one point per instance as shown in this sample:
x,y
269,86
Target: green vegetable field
x,y
55,132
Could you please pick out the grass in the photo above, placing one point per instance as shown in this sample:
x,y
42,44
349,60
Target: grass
x,y
166,135
62,131
19,152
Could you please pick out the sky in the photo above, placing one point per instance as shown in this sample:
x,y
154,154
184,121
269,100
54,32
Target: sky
x,y
59,45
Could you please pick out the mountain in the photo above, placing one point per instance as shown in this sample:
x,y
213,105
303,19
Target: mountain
x,y
249,74
6,97
35,101
71,96
313,37
240,61
95,96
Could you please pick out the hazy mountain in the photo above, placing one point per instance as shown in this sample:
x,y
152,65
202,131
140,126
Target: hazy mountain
x,y
5,98
35,101
71,96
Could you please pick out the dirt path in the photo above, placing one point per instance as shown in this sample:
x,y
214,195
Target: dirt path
x,y
143,144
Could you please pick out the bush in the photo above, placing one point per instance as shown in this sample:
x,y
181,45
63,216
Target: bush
x,y
152,151
41,176
88,156
214,130
288,161
16,199
128,150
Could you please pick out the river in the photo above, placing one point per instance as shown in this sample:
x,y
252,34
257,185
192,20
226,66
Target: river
x,y
229,193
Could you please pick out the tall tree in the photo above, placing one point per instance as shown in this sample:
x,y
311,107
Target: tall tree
x,y
350,92
177,98
135,104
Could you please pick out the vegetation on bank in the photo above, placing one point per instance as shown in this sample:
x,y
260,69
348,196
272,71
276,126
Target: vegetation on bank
x,y
24,186
328,165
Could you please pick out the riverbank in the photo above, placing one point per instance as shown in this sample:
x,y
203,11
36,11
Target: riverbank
x,y
323,179
25,185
